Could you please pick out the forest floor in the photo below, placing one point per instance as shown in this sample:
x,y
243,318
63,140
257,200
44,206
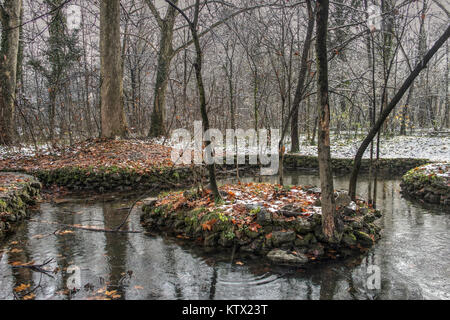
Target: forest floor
x,y
142,155
92,154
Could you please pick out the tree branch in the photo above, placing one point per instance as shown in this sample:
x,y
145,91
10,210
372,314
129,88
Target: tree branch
x,y
215,25
383,116
155,13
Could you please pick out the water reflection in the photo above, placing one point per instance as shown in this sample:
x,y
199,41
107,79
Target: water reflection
x,y
413,257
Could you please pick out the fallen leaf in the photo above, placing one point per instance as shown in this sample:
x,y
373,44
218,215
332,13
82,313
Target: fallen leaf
x,y
65,232
29,296
110,293
22,287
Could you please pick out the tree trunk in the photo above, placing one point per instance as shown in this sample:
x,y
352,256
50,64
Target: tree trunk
x,y
201,88
10,19
112,110
446,122
56,58
300,90
87,104
423,102
383,116
325,170
165,55
202,95
405,111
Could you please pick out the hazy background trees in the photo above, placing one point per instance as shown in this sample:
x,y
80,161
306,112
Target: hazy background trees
x,y
252,60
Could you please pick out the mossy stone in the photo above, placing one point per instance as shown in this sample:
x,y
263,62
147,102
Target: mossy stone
x,y
364,238
349,239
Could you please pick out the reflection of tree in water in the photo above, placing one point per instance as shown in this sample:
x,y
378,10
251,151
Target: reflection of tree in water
x,y
64,246
116,249
328,281
22,255
212,290
169,256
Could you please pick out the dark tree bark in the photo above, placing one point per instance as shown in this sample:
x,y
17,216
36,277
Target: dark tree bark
x,y
201,88
165,56
112,110
325,170
10,14
56,59
383,116
300,90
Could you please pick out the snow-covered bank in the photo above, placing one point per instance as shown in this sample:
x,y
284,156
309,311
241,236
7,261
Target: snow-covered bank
x,y
414,147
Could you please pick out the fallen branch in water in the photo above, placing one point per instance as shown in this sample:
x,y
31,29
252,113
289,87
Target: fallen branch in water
x,y
85,228
37,267
30,294
128,215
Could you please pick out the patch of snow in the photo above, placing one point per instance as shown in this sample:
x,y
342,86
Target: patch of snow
x,y
439,169
418,147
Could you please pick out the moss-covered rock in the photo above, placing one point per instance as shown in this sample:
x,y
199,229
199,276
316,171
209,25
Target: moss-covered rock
x,y
364,238
428,183
398,166
105,179
216,227
17,192
349,239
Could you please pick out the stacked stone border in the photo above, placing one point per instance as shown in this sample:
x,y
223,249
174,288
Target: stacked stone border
x,y
391,166
426,187
106,179
16,196
283,242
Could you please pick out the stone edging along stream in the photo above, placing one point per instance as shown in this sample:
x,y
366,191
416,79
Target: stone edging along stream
x,y
340,165
18,191
113,178
428,183
123,179
293,241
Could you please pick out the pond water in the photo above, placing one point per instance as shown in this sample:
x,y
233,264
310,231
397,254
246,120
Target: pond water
x,y
413,257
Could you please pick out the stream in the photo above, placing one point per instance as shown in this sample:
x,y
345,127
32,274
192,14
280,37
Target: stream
x,y
413,256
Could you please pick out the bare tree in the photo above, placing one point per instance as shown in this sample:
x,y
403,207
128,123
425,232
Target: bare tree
x,y
10,12
200,86
384,115
112,110
325,170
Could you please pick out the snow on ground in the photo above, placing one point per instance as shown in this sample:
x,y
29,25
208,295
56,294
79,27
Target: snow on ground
x,y
425,147
439,169
245,195
22,151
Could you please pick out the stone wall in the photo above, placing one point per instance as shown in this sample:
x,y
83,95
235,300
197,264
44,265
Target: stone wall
x,y
115,179
429,183
17,192
396,166
293,242
112,178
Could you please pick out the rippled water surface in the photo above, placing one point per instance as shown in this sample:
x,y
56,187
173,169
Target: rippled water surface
x,y
413,257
